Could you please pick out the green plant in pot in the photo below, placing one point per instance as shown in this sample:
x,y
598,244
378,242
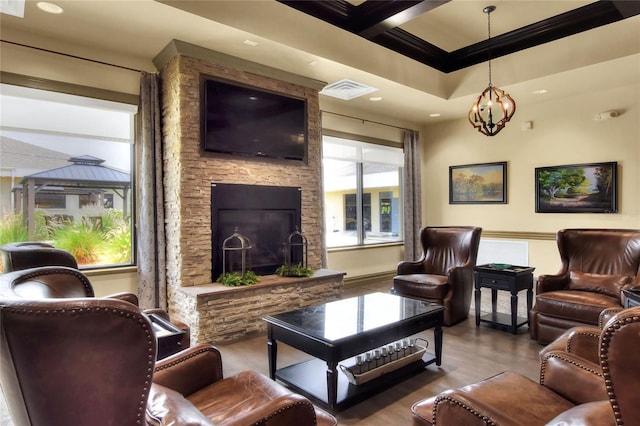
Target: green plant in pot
x,y
238,279
294,271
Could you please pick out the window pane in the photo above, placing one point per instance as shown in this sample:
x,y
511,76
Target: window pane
x,y
339,179
380,218
66,174
385,210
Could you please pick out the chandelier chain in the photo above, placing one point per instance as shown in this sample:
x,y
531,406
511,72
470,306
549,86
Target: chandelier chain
x,y
489,41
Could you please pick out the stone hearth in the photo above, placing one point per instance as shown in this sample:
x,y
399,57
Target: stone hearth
x,y
229,313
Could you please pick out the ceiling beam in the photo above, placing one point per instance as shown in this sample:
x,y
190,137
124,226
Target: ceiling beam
x,y
378,21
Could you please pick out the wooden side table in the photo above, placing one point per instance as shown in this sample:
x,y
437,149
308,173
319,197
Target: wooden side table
x,y
503,277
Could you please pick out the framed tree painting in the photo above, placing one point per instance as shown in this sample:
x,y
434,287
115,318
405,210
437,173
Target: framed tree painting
x,y
484,183
577,188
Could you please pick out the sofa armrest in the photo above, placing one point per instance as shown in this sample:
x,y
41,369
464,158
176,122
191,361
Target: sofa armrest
x,y
189,370
575,378
551,283
166,407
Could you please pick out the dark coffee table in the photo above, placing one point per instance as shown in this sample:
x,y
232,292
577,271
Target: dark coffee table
x,y
336,332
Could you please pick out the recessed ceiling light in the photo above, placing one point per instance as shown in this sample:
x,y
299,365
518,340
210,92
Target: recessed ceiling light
x,y
434,115
375,98
540,92
251,43
48,7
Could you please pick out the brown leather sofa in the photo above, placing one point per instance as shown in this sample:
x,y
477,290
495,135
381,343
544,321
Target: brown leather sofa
x,y
91,361
572,389
444,272
596,265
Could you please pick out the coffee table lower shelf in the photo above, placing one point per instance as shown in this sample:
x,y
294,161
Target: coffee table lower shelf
x,y
309,379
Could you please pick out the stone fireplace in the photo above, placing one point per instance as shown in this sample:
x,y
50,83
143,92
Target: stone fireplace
x,y
189,172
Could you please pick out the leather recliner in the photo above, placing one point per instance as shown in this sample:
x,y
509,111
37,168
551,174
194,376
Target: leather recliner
x,y
91,361
572,389
597,264
444,272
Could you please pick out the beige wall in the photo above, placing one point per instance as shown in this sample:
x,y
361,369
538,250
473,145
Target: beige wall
x,y
564,132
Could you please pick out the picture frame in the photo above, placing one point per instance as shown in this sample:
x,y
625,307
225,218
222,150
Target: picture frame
x,y
483,183
577,188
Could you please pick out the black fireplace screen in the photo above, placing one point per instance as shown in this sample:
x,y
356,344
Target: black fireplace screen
x,y
266,215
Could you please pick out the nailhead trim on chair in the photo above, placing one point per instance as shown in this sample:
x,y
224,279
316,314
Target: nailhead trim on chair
x,y
441,398
87,285
605,341
581,333
562,356
142,403
275,413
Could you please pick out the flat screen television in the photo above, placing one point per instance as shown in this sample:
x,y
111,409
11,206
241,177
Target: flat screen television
x,y
243,120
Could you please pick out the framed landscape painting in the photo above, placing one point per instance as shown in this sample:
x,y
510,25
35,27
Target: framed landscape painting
x,y
484,183
577,188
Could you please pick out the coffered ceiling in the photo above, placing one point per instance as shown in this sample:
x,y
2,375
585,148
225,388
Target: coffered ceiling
x,y
424,57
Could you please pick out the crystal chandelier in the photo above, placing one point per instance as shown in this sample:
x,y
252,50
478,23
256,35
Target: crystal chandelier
x,y
493,108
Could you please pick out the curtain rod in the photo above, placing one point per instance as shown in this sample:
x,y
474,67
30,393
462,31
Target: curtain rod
x,y
365,120
72,56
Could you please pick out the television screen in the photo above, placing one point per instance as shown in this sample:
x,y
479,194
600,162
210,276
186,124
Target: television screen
x,y
249,121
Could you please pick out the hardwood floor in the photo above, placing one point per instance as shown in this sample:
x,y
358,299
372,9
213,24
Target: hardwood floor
x,y
470,354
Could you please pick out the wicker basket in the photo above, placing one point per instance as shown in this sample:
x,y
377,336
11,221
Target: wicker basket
x,y
358,379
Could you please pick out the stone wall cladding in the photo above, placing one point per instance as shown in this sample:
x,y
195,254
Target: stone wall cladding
x,y
189,172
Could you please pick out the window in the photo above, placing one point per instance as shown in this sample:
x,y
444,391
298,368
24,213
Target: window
x,y
66,173
362,192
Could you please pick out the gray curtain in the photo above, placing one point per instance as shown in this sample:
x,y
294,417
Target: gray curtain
x,y
151,255
412,195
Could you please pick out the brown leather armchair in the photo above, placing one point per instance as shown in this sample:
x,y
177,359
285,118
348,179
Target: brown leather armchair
x,y
444,272
29,254
596,265
58,282
193,381
91,361
572,390
86,361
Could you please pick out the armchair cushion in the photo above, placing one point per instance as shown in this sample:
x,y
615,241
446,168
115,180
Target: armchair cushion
x,y
610,285
593,413
426,286
576,305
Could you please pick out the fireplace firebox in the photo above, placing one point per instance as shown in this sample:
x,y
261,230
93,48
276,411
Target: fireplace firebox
x,y
266,215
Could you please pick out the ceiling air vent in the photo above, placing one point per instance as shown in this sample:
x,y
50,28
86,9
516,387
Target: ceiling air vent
x,y
347,89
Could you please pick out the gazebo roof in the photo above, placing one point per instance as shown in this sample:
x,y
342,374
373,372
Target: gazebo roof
x,y
85,171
